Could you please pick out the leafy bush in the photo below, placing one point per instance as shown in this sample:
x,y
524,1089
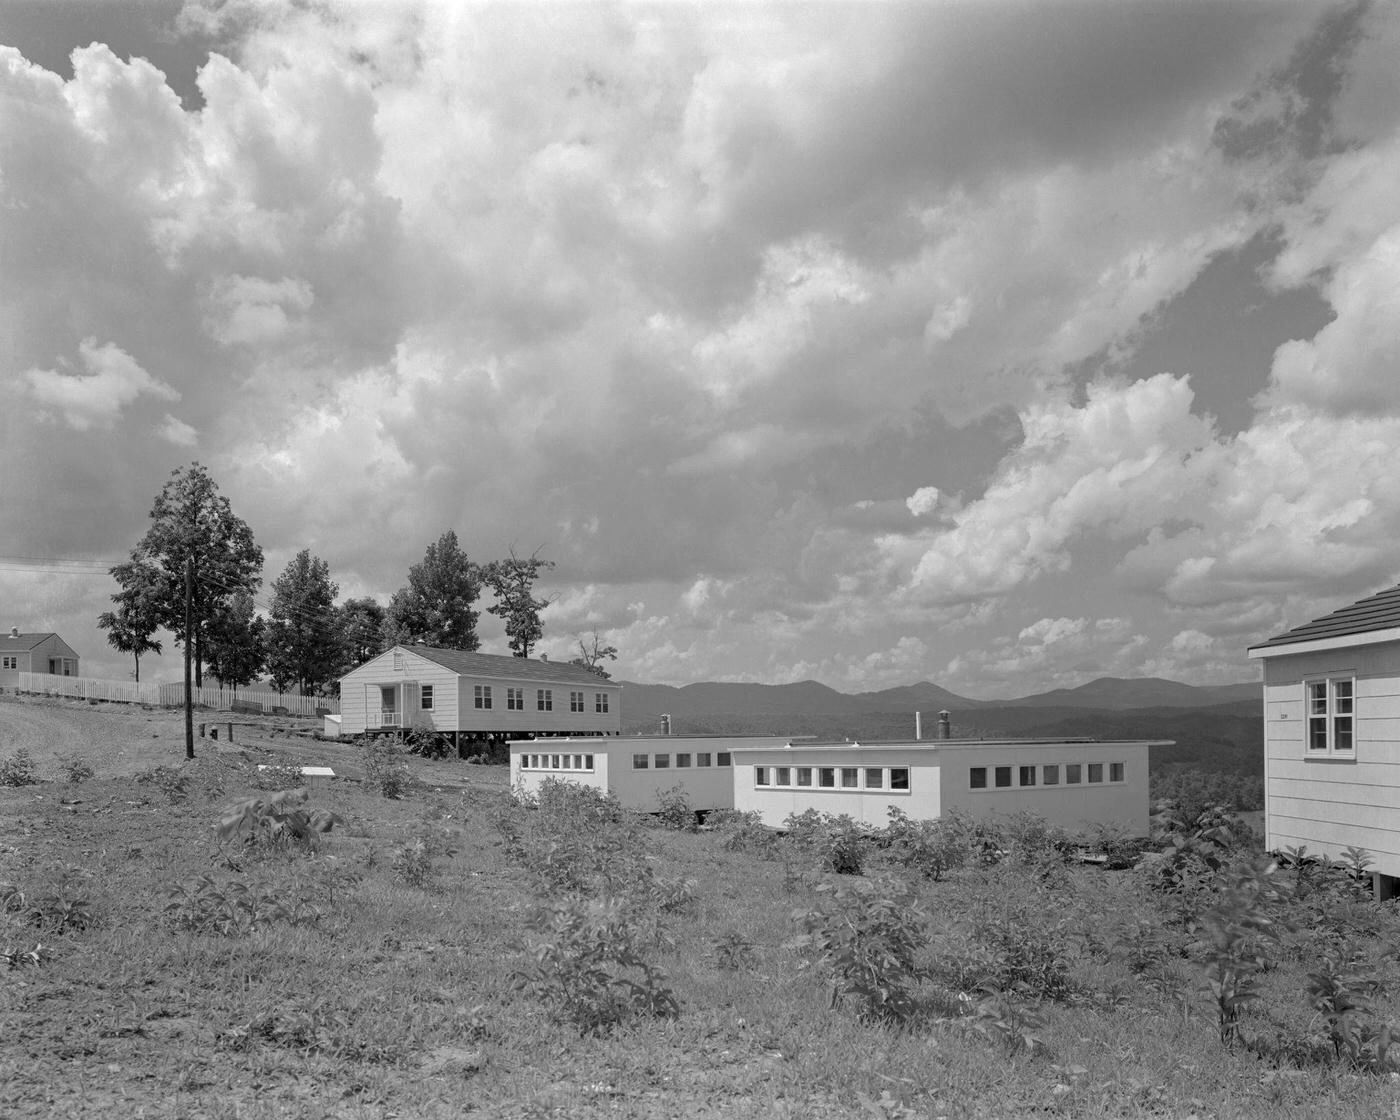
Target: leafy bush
x,y
928,848
588,967
385,770
278,821
675,811
172,782
834,843
743,832
866,937
413,863
232,908
1342,992
1192,793
75,768
18,769
1238,928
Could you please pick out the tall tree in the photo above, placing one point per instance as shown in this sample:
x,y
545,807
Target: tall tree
x,y
236,649
513,582
131,627
304,646
436,605
192,521
361,631
593,654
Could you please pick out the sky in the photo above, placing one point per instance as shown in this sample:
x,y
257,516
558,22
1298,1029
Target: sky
x,y
1002,345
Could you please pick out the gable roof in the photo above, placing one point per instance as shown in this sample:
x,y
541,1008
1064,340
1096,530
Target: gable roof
x,y
1379,612
8,641
496,665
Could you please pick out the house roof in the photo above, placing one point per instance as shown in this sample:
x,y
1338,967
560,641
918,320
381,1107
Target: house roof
x,y
24,642
517,668
1375,612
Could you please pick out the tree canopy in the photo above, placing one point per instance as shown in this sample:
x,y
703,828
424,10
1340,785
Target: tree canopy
x,y
191,521
593,654
236,648
361,631
305,647
131,627
436,605
512,581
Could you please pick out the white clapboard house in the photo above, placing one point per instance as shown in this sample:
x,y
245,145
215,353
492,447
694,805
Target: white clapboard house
x,y
1332,735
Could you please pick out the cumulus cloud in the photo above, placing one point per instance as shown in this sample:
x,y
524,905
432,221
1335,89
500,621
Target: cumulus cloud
x,y
96,398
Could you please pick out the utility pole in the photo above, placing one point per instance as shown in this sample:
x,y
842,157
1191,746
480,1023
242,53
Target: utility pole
x,y
189,698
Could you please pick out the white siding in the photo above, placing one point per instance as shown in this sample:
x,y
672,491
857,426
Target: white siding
x,y
557,721
872,807
1327,804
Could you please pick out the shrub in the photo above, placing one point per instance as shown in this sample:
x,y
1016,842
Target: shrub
x,y
385,770
1238,928
63,904
280,775
866,937
18,769
675,811
413,863
835,843
75,768
743,832
928,848
587,965
278,821
172,782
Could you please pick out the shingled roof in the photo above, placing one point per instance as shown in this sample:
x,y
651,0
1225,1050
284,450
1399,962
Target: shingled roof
x,y
1376,612
496,665
20,642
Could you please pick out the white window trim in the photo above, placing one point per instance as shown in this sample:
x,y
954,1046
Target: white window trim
x,y
586,761
816,787
1063,782
1330,715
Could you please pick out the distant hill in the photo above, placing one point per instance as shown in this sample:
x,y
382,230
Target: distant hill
x,y
1214,727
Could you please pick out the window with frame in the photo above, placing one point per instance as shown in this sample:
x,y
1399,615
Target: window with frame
x,y
760,776
640,761
1003,777
804,775
722,759
9,663
899,777
850,777
425,698
702,759
1073,771
682,762
600,702
1026,777
481,696
1115,771
1095,772
874,778
544,699
575,701
662,762
826,777
1050,775
977,777
515,699
1331,714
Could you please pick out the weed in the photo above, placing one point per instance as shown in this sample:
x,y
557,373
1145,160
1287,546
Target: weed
x,y
169,780
1238,927
733,952
63,905
1013,1026
75,768
834,843
280,775
587,965
18,769
385,770
278,821
416,862
1342,991
27,958
675,811
233,908
866,937
743,832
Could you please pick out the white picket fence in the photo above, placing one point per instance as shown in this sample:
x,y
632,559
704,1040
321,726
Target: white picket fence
x,y
170,695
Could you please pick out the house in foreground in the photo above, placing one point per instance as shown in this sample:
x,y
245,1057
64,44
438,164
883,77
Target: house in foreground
x,y
475,699
1332,735
34,653
1068,782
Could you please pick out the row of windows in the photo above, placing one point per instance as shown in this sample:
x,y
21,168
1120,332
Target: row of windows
x,y
544,699
1075,774
556,762
894,778
684,760
1331,716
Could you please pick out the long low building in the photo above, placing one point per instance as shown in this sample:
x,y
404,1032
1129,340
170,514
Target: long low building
x,y
1072,783
1067,782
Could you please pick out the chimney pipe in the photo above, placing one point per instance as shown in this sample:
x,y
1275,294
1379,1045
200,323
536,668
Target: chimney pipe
x,y
665,724
918,726
14,631
945,726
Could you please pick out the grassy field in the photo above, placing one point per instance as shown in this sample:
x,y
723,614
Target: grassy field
x,y
447,953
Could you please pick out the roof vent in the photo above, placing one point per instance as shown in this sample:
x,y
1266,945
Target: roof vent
x,y
14,631
544,657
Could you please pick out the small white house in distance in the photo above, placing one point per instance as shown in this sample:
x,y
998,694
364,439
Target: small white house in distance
x,y
34,653
638,768
1332,735
1068,782
475,698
